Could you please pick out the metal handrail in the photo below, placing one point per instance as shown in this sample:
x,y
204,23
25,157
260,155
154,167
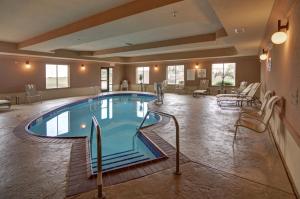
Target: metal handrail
x,y
177,172
99,155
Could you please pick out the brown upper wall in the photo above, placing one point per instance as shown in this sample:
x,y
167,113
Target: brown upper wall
x,y
247,69
14,75
284,77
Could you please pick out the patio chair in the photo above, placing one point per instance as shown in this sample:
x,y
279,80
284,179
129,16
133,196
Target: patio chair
x,y
244,92
31,92
240,99
261,111
5,103
124,85
203,88
258,125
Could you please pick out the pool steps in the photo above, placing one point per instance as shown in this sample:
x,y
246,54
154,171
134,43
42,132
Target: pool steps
x,y
117,157
119,160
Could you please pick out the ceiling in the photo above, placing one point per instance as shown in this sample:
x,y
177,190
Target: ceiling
x,y
21,20
106,29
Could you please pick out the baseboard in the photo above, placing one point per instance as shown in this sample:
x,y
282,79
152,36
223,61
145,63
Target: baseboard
x,y
285,165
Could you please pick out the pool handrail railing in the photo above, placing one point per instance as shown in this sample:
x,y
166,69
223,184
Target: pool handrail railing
x,y
177,172
95,124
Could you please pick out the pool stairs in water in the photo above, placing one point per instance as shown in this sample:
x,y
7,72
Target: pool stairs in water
x,y
119,160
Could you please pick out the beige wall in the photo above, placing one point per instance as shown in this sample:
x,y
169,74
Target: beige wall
x,y
247,69
284,79
14,75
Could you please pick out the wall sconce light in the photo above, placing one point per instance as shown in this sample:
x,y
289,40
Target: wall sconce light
x,y
27,65
156,67
280,36
82,67
197,66
264,55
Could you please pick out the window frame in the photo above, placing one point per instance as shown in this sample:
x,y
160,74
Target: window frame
x,y
136,73
168,82
56,77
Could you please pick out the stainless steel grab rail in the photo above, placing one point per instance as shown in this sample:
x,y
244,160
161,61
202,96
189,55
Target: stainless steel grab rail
x,y
95,123
177,172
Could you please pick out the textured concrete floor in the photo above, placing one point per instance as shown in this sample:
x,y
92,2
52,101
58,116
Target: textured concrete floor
x,y
196,182
250,169
28,169
207,137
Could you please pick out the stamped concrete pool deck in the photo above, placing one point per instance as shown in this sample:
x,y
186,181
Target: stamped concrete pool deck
x,y
251,168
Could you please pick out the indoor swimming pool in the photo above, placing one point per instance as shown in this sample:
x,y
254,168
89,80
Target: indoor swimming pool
x,y
119,116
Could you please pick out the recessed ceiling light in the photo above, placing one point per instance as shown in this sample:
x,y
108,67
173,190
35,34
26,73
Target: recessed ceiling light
x,y
239,30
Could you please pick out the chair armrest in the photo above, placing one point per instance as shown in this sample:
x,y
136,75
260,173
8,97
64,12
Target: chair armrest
x,y
246,115
256,119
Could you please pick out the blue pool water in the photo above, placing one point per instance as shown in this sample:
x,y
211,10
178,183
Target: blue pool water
x,y
119,116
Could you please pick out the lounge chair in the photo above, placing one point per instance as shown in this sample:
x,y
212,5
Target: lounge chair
x,y
240,89
31,92
258,125
242,93
5,103
203,88
249,98
252,113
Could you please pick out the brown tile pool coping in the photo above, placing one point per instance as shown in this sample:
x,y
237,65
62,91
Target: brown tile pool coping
x,y
79,172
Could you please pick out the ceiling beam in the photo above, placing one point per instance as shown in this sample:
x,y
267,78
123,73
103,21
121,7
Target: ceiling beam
x,y
11,49
7,48
218,52
159,44
110,15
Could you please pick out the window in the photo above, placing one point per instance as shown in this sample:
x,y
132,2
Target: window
x,y
223,74
142,75
57,76
175,74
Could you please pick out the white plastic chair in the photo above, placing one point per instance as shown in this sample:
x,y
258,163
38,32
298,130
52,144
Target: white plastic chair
x,y
124,85
31,92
